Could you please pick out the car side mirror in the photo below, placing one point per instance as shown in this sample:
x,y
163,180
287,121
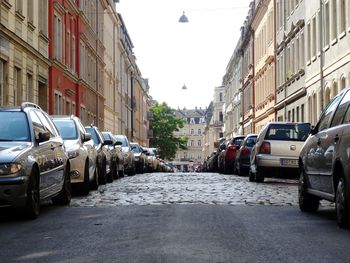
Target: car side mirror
x,y
118,143
87,137
43,136
108,142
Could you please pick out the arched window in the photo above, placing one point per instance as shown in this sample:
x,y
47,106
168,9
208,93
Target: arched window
x,y
342,83
334,89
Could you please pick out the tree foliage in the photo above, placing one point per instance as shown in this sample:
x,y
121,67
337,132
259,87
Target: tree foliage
x,y
164,124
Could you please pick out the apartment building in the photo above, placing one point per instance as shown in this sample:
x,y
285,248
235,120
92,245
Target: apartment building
x,y
264,63
194,124
232,84
247,78
24,42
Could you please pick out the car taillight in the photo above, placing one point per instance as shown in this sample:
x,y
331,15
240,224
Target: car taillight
x,y
231,152
265,148
245,151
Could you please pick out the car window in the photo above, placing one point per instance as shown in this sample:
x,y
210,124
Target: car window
x,y
238,141
251,141
284,132
340,112
123,140
46,123
67,128
14,126
80,127
135,148
37,125
93,134
327,114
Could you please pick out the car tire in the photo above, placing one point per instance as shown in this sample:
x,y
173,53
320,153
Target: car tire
x,y
307,202
110,175
251,176
342,203
102,173
85,187
259,176
94,183
32,206
121,173
65,195
115,170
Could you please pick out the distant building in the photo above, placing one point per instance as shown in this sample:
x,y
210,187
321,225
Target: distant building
x,y
194,125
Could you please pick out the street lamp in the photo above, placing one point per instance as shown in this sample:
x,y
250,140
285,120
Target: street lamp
x,y
183,18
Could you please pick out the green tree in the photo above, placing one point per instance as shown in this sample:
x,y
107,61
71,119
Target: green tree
x,y
164,124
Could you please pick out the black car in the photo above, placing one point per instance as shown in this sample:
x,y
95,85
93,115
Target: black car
x,y
33,162
242,161
324,160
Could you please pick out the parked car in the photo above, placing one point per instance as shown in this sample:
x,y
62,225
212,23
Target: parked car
x,y
228,153
277,149
33,162
324,162
81,152
140,157
152,162
129,159
243,154
117,156
212,161
103,155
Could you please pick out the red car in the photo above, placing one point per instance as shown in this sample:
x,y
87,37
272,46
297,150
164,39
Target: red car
x,y
227,156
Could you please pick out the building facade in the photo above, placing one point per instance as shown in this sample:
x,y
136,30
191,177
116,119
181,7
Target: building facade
x,y
24,42
264,63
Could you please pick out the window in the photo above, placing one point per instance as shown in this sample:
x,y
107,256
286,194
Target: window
x,y
58,103
46,123
58,37
192,143
17,86
30,10
192,121
220,97
37,125
43,9
3,67
30,88
326,24
339,113
73,54
199,131
19,6
327,114
334,19
308,44
68,45
199,143
302,50
314,40
342,15
302,113
82,61
221,116
192,131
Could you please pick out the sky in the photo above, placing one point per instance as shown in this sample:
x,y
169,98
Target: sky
x,y
172,54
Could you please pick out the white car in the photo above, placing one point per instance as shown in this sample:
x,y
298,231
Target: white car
x,y
129,158
80,150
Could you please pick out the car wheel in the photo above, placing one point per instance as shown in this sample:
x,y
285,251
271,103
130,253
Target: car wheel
x,y
307,202
64,197
85,187
121,173
110,174
94,183
32,207
115,170
102,173
251,176
342,203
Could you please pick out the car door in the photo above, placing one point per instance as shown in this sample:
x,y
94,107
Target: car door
x,y
89,146
320,148
44,154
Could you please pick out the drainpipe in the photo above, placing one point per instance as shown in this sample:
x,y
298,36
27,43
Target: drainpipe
x,y
97,79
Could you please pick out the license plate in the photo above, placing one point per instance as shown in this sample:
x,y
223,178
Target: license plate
x,y
289,162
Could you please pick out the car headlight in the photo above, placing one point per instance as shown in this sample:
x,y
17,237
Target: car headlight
x,y
73,154
11,168
126,155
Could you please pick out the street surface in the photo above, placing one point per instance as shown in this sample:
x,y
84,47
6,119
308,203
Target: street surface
x,y
191,217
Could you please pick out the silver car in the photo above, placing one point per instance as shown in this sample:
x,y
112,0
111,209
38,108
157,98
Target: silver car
x,y
81,152
33,162
129,158
277,149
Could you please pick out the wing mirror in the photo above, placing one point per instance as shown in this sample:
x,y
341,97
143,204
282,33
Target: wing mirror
x,y
43,136
118,143
87,137
108,142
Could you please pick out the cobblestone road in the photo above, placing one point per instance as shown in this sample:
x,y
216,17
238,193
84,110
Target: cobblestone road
x,y
191,188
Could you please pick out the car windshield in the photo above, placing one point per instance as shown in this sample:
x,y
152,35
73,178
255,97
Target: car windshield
x,y
286,132
14,126
135,148
123,140
93,134
67,129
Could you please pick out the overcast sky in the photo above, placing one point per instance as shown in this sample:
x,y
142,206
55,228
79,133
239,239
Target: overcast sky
x,y
171,54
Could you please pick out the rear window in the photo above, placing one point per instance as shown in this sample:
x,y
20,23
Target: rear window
x,y
238,141
67,128
14,126
251,141
287,132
